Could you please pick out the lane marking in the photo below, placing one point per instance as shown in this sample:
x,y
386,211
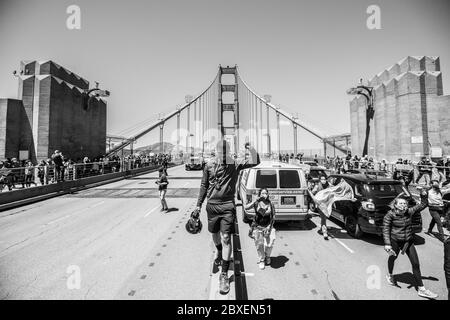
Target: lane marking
x,y
344,245
56,220
147,214
248,274
185,185
72,214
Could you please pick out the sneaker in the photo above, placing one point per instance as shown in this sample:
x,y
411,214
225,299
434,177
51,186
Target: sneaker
x,y
425,293
267,261
261,265
390,279
224,283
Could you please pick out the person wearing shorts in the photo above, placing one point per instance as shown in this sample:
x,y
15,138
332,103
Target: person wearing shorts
x,y
218,186
162,183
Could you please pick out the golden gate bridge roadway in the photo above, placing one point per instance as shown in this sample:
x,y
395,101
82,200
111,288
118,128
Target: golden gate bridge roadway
x,y
112,242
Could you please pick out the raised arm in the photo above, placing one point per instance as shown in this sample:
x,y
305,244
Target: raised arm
x,y
420,206
254,159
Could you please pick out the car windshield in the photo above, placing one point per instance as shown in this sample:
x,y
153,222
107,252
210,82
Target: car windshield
x,y
385,190
317,173
266,179
289,179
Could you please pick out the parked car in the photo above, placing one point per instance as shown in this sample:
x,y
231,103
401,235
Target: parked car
x,y
287,187
374,196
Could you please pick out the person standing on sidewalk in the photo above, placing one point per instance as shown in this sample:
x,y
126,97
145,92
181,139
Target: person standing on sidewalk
x,y
58,160
398,236
29,174
436,208
262,228
219,187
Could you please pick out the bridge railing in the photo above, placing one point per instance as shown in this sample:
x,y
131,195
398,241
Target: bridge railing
x,y
30,176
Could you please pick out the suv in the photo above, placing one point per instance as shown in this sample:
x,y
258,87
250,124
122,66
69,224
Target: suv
x,y
374,196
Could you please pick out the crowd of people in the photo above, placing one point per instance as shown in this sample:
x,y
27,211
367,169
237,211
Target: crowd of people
x,y
58,168
405,170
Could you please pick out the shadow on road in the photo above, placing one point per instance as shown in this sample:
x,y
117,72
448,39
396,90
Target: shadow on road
x,y
278,262
172,210
305,225
408,279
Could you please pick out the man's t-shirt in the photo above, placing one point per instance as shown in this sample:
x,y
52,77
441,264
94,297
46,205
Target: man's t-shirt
x,y
219,180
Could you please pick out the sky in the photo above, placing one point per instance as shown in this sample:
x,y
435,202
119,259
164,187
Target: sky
x,y
150,54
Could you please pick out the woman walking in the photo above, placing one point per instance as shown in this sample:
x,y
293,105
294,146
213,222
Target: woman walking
x,y
262,226
436,208
323,184
398,236
162,182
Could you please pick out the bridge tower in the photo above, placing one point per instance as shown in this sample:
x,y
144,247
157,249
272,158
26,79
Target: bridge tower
x,y
229,133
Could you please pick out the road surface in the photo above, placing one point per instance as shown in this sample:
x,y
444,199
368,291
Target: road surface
x,y
113,242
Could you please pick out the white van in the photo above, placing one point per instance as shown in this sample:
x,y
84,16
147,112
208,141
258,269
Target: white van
x,y
287,186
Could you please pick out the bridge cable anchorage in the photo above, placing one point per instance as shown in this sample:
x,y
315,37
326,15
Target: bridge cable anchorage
x,y
286,115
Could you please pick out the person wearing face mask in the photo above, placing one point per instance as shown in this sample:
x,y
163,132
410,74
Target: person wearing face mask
x,y
398,236
436,208
262,226
323,184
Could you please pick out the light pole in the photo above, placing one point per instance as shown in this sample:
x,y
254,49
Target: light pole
x,y
367,92
267,99
96,92
161,133
294,124
188,99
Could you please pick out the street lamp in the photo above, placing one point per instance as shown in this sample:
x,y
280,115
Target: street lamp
x,y
367,92
96,92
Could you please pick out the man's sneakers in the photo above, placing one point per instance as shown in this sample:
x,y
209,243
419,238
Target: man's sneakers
x,y
390,280
224,283
425,293
262,265
325,232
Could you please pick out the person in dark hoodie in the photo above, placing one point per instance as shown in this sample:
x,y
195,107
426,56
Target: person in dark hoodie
x,y
398,236
218,185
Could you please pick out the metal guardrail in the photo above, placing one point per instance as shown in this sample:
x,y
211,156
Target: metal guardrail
x,y
48,174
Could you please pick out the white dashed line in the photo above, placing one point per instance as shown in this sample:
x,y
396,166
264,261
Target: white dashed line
x,y
51,222
146,215
344,245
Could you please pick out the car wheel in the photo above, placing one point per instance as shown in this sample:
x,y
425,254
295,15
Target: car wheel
x,y
352,227
313,207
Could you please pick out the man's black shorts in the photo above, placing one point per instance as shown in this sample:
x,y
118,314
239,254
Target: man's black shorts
x,y
221,217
